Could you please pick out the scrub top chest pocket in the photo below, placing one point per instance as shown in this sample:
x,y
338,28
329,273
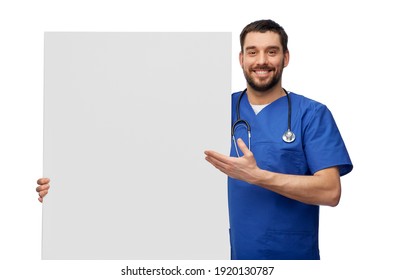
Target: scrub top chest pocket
x,y
279,157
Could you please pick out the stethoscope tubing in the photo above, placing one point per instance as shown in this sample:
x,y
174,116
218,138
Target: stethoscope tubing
x,y
288,135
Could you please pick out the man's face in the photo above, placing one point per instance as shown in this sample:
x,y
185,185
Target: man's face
x,y
263,60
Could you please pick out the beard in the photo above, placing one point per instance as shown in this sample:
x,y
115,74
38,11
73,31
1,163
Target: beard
x,y
262,86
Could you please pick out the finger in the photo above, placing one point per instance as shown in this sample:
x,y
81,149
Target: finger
x,y
43,181
243,147
42,187
43,193
218,164
40,199
218,156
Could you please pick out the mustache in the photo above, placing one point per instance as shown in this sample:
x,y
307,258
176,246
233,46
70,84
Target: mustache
x,y
263,67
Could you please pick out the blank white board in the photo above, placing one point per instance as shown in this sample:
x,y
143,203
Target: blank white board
x,y
127,117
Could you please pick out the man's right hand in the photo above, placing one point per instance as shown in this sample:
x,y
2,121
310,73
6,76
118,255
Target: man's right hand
x,y
43,187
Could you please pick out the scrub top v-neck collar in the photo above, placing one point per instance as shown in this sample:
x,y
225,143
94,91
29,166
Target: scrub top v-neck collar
x,y
248,111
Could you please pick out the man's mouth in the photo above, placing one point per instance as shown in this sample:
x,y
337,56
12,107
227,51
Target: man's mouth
x,y
262,72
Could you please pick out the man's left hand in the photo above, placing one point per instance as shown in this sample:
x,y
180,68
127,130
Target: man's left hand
x,y
242,168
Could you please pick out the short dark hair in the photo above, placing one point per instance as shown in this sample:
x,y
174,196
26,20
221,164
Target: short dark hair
x,y
264,26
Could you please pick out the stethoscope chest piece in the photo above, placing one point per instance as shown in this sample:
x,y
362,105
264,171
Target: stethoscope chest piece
x,y
288,136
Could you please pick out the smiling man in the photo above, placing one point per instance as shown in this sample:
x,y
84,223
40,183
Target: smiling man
x,y
286,158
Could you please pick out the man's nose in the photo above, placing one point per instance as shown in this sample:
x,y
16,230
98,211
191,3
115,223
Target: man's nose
x,y
262,59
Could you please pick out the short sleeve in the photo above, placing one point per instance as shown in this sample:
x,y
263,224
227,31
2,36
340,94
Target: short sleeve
x,y
323,144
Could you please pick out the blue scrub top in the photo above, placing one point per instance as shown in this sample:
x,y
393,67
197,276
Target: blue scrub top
x,y
267,225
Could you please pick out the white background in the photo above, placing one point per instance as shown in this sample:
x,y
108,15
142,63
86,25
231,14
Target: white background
x,y
341,55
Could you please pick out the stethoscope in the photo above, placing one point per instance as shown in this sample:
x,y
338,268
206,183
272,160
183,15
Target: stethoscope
x,y
288,136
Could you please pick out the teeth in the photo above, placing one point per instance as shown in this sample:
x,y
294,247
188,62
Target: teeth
x,y
261,72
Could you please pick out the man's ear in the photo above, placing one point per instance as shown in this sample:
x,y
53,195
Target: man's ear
x,y
241,59
286,58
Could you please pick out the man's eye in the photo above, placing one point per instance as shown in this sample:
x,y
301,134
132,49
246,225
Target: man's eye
x,y
272,52
251,52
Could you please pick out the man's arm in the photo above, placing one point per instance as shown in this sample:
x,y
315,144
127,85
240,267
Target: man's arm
x,y
321,188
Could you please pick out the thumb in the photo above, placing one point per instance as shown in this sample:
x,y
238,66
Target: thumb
x,y
241,144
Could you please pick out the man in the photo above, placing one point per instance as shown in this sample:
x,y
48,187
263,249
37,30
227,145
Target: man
x,y
275,187
277,181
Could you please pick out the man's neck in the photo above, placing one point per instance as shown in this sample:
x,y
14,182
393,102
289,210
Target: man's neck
x,y
264,97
